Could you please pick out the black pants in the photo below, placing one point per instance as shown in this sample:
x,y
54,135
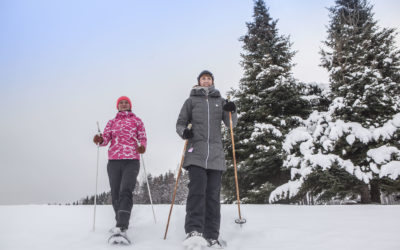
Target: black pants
x,y
203,209
122,176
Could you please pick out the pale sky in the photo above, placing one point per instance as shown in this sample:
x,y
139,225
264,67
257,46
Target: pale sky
x,y
64,64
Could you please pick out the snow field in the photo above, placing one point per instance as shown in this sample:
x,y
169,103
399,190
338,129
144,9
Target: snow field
x,y
268,227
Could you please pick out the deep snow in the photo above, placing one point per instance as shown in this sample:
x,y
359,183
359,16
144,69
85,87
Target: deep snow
x,y
268,227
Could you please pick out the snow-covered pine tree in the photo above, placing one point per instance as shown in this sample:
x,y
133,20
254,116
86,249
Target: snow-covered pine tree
x,y
182,192
363,64
162,188
141,193
269,105
353,148
167,187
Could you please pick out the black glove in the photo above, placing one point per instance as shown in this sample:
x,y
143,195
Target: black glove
x,y
229,106
187,134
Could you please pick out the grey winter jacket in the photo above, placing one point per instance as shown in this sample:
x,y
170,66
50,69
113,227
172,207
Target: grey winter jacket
x,y
205,113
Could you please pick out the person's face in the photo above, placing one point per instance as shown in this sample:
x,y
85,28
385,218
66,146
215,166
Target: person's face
x,y
124,105
206,80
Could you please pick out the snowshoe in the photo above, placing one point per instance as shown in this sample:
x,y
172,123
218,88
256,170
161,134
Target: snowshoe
x,y
216,244
194,241
119,237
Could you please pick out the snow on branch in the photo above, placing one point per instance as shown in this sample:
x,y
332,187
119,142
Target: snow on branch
x,y
303,146
262,128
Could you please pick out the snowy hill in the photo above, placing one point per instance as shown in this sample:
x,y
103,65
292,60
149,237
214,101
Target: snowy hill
x,y
268,227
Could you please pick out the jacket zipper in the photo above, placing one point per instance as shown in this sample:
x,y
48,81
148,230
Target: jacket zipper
x,y
208,131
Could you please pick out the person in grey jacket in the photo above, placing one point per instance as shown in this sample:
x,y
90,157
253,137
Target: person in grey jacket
x,y
205,109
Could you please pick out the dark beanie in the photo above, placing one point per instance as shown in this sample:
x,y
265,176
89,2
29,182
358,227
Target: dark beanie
x,y
205,72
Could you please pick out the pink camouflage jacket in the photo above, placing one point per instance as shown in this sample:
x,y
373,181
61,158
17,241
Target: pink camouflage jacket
x,y
122,131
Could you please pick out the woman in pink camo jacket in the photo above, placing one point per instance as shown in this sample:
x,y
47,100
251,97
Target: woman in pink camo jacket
x,y
128,139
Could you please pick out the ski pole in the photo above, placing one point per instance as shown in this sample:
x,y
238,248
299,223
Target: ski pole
x,y
176,183
148,189
97,175
147,181
240,220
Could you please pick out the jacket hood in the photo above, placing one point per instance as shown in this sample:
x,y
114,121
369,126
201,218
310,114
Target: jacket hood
x,y
198,91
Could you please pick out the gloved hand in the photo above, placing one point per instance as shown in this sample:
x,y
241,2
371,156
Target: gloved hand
x,y
141,149
187,134
229,106
98,139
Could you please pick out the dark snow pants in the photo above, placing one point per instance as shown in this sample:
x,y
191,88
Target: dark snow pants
x,y
122,176
203,209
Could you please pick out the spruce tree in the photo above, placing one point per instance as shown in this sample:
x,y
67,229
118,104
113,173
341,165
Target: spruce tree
x,y
353,148
364,70
363,64
269,105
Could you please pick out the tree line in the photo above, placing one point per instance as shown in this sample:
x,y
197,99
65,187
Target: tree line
x,y
161,187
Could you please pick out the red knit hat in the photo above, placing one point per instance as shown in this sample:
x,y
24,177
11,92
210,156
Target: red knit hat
x,y
124,98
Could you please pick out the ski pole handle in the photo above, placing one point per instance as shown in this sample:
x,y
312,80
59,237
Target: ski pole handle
x,y
98,128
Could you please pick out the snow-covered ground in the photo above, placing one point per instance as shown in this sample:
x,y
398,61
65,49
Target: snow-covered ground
x,y
268,227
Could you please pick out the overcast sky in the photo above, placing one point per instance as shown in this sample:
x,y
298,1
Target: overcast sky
x,y
63,64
